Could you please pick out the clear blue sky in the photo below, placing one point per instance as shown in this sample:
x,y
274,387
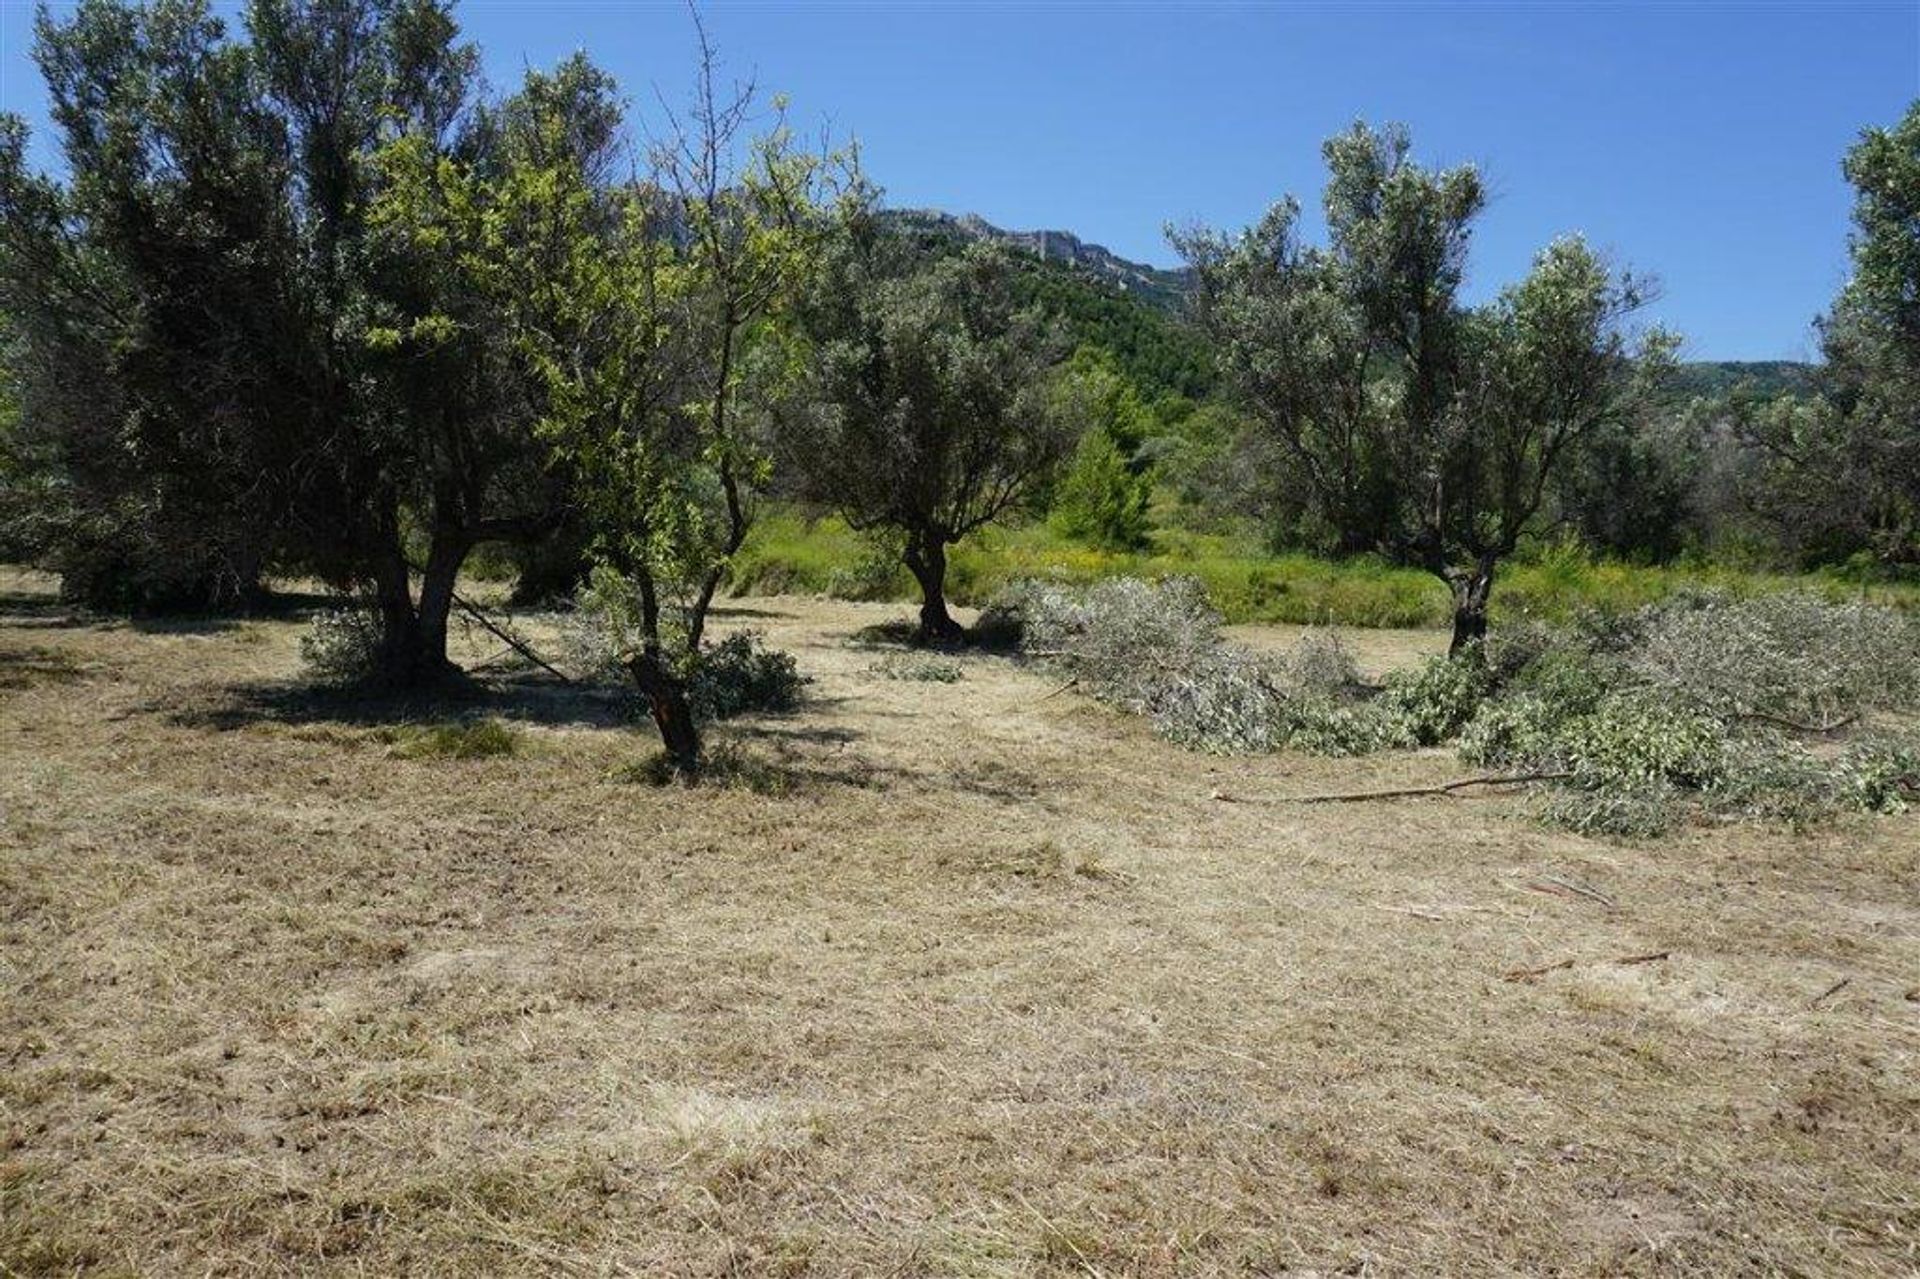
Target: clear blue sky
x,y
1699,142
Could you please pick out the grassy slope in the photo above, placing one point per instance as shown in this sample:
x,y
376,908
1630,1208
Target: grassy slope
x,y
790,554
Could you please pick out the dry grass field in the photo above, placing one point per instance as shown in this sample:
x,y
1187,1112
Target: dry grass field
x,y
982,980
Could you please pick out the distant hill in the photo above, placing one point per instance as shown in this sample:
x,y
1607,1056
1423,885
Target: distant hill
x,y
1763,377
1135,311
1129,310
1157,286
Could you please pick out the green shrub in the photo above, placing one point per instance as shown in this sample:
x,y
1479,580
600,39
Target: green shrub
x,y
878,575
741,675
1628,813
1101,500
1881,773
464,739
733,677
1435,699
342,645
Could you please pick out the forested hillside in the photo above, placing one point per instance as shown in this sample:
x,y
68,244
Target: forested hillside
x,y
1134,312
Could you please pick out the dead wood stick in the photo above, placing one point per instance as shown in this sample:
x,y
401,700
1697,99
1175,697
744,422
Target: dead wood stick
x,y
1561,883
1072,683
1529,974
1834,989
1444,788
513,642
483,663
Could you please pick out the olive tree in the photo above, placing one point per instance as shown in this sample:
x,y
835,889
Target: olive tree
x,y
147,287
1420,426
236,347
923,415
1840,470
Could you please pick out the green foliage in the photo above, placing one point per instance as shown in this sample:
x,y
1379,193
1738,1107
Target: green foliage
x,y
1628,490
255,319
1435,699
1685,705
1881,773
1138,329
1837,473
919,415
877,575
1418,425
604,631
1634,739
740,675
1320,662
342,645
1765,379
1154,649
1792,656
1246,583
727,766
1632,757
1152,348
1100,500
1638,813
1103,497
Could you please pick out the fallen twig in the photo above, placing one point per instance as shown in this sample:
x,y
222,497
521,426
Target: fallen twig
x,y
1444,788
1072,683
513,642
1549,883
502,655
1834,989
1531,974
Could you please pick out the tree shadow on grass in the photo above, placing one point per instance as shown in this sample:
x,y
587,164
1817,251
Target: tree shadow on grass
x,y
30,610
903,633
522,697
742,610
527,699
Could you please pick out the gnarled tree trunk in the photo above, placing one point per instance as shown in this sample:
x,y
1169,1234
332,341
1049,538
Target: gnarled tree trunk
x,y
926,557
413,647
1471,588
666,695
448,553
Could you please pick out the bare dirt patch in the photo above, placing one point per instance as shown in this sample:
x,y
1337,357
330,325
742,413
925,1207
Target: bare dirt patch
x,y
996,986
